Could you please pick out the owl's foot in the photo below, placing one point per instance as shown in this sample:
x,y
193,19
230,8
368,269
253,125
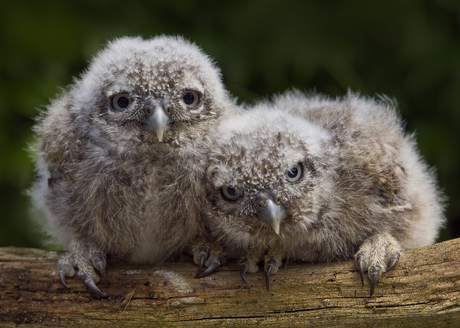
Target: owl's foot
x,y
200,254
272,264
214,261
85,258
248,265
377,255
214,257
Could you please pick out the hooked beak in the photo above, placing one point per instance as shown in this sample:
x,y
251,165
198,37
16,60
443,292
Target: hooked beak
x,y
272,214
157,122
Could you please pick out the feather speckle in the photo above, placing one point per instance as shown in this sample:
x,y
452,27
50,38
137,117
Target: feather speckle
x,y
306,177
118,154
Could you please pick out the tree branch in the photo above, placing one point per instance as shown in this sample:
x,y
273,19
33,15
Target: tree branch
x,y
422,290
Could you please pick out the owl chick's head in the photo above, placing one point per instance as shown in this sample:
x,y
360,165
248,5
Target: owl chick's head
x,y
267,172
162,90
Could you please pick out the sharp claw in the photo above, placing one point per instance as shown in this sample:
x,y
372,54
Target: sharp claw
x,y
270,266
200,267
360,266
394,259
203,251
243,269
215,263
374,275
90,283
62,277
99,264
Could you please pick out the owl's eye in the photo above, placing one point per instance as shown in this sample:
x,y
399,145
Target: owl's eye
x,y
294,174
191,99
120,102
230,193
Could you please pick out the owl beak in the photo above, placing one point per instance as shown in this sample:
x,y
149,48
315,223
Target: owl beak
x,y
272,214
157,122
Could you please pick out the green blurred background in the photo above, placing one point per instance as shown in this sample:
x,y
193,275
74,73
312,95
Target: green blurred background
x,y
409,50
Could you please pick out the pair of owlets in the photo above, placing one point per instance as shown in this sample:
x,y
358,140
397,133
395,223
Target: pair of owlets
x,y
147,155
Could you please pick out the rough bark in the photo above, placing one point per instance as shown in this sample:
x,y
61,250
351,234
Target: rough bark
x,y
421,291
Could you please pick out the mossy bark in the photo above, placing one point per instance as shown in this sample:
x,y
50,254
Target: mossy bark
x,y
421,291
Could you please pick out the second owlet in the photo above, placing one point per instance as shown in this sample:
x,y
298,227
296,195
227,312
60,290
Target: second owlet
x,y
313,179
119,154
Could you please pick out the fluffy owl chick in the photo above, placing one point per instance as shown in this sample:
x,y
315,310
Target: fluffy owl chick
x,y
313,179
112,147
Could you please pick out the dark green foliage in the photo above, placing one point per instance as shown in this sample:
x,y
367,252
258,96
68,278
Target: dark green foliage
x,y
409,50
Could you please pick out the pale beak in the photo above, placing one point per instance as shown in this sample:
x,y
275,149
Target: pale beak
x,y
157,123
272,214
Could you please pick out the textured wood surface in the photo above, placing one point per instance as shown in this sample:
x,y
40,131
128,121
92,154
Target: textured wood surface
x,y
421,291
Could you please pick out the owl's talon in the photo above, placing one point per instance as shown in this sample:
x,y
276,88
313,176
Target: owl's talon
x,y
215,263
394,259
99,263
200,267
374,275
360,266
62,277
377,255
271,265
243,269
65,266
90,280
203,252
90,283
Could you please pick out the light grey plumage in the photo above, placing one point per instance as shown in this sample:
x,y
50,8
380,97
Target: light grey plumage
x,y
314,179
119,153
